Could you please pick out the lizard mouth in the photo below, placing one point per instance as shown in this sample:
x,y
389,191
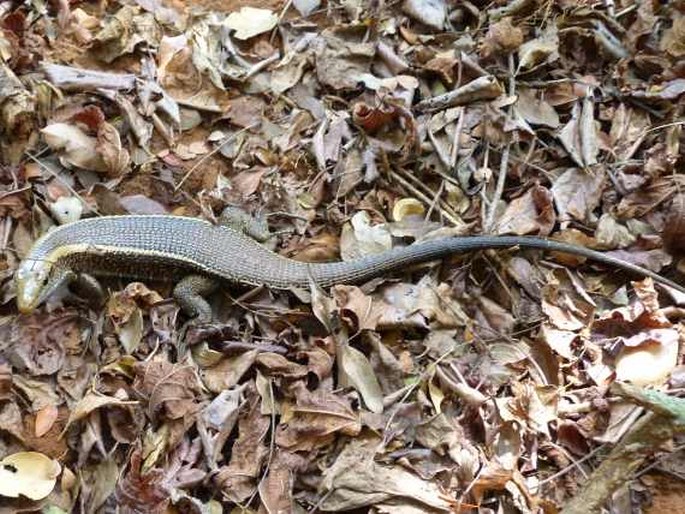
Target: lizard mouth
x,y
28,295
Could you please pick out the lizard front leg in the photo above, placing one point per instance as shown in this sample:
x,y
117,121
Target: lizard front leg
x,y
89,288
237,219
191,291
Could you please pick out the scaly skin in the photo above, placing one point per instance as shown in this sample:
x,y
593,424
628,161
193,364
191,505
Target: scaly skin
x,y
173,247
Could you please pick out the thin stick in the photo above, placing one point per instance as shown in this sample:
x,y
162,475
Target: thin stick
x,y
452,217
208,155
64,183
504,161
428,191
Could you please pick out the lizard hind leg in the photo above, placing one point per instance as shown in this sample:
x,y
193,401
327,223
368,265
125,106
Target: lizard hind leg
x,y
190,294
238,219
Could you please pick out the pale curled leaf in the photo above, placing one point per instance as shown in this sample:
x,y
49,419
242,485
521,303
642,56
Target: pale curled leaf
x,y
131,331
649,357
358,373
539,50
306,7
66,209
360,238
250,21
429,12
29,474
91,402
77,148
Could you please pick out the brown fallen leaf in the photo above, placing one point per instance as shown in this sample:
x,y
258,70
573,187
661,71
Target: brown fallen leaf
x,y
342,57
315,419
355,480
169,389
577,193
139,491
532,213
45,419
238,480
276,490
502,37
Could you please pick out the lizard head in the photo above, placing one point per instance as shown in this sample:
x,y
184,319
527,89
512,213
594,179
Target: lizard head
x,y
35,281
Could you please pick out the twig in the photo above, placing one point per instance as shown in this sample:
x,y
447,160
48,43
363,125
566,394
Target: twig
x,y
501,178
77,79
280,19
452,217
64,183
456,141
574,464
504,161
482,88
214,151
256,68
428,191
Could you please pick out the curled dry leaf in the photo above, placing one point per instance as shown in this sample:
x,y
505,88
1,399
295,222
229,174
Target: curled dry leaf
x,y
544,49
78,149
360,238
502,37
373,118
45,419
648,357
407,207
356,371
532,213
94,401
114,155
251,21
170,389
29,474
429,12
66,209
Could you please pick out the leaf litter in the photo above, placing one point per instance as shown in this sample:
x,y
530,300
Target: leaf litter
x,y
489,382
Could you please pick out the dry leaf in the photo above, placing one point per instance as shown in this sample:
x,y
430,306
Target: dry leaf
x,y
355,480
251,21
77,148
577,193
673,40
45,419
544,49
356,371
649,357
29,474
306,7
360,238
66,209
535,109
502,38
429,12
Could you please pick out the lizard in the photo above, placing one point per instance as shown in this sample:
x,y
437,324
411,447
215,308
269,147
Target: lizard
x,y
198,255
